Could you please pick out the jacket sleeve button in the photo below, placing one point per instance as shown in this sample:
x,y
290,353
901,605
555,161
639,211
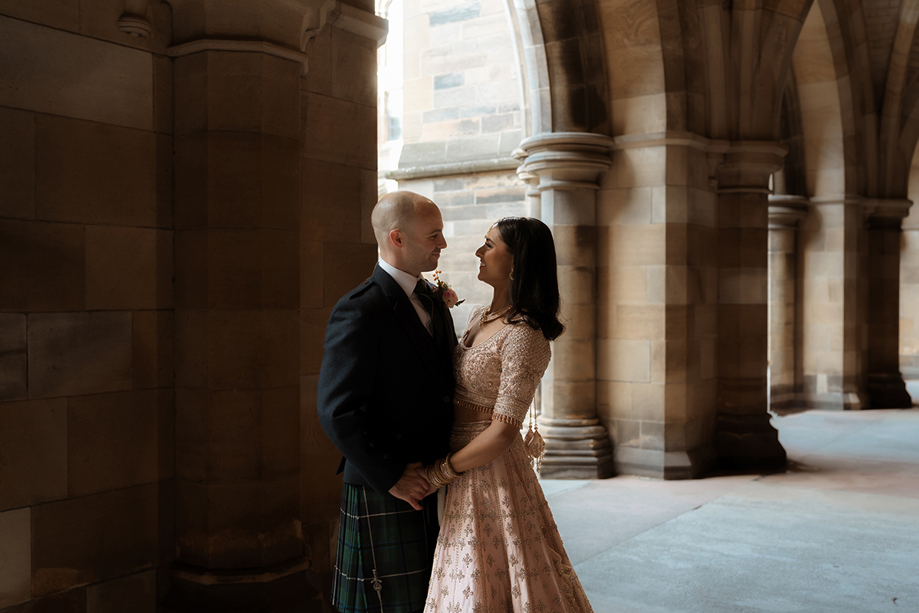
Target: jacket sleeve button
x,y
447,399
385,456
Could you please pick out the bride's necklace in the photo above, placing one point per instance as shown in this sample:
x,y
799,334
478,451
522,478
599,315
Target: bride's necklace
x,y
487,316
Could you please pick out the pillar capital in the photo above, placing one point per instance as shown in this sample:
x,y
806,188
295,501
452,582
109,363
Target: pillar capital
x,y
565,160
134,20
786,211
747,166
279,27
886,212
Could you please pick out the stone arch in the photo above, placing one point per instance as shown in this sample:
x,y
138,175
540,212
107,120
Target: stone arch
x,y
844,28
791,180
530,51
828,123
565,73
900,121
738,58
896,151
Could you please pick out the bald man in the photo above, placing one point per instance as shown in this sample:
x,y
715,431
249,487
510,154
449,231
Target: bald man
x,y
386,401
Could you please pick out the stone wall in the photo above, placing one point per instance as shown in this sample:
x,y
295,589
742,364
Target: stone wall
x,y
86,320
462,120
178,214
461,84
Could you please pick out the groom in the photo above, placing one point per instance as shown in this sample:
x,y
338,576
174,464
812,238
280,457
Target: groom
x,y
386,401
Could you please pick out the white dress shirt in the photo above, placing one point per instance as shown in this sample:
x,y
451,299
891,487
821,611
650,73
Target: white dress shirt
x,y
407,282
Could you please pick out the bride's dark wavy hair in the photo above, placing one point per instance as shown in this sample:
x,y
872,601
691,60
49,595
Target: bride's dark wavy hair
x,y
534,287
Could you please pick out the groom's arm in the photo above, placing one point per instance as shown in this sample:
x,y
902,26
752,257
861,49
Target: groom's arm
x,y
349,367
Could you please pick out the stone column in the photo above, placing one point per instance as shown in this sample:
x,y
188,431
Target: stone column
x,y
785,212
885,386
833,284
237,251
568,166
909,296
744,438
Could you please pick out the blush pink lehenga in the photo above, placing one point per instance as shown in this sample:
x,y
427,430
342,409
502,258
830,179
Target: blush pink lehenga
x,y
499,549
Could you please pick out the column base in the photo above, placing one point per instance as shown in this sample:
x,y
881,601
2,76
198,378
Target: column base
x,y
887,391
783,398
748,442
668,465
834,401
283,588
575,449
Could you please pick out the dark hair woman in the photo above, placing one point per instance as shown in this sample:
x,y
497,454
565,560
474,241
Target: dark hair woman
x,y
499,548
534,278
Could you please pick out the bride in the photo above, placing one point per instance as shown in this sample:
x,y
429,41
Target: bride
x,y
499,549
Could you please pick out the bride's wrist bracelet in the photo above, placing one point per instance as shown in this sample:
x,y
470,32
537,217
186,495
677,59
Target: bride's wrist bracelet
x,y
448,469
436,476
441,472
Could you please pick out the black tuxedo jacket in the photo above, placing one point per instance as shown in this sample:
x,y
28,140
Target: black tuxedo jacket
x,y
386,386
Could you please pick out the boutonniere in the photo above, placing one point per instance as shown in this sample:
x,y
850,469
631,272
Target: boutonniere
x,y
443,291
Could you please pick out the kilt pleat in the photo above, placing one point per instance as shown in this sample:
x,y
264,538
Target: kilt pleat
x,y
382,542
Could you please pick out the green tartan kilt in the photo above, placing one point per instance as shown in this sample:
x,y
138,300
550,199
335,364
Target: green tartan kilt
x,y
381,533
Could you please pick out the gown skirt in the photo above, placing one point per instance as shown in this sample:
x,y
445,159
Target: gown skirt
x,y
499,550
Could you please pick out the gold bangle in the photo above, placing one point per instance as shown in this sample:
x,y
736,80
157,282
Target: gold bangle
x,y
432,476
448,469
441,473
436,476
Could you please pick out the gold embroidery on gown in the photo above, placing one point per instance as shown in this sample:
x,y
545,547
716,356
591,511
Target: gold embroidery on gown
x,y
499,549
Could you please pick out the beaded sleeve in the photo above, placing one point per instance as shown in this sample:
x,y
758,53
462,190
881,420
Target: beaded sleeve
x,y
524,359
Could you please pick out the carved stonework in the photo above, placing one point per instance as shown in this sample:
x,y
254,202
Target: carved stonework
x,y
133,21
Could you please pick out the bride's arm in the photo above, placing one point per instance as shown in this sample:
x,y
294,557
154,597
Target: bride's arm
x,y
524,360
485,447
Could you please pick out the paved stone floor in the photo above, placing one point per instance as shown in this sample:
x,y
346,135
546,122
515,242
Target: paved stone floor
x,y
837,532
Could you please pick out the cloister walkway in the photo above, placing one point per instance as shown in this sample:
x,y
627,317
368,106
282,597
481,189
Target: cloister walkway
x,y
838,532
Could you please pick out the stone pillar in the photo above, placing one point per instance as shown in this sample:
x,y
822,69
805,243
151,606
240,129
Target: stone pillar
x,y
744,438
909,296
568,166
833,283
784,214
237,183
885,386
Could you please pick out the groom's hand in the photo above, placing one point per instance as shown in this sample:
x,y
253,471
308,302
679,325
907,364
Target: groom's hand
x,y
412,486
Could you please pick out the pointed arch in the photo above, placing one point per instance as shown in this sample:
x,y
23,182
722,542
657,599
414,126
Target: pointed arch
x,y
562,46
845,32
825,102
895,154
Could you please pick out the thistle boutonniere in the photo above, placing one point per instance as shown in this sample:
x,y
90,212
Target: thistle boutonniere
x,y
443,291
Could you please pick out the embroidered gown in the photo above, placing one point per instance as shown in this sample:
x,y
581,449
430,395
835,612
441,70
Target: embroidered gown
x,y
499,549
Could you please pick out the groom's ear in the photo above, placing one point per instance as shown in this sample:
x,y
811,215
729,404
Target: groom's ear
x,y
396,238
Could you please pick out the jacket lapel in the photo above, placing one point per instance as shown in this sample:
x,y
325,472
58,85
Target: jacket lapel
x,y
408,317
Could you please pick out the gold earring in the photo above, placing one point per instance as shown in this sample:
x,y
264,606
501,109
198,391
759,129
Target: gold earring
x,y
511,275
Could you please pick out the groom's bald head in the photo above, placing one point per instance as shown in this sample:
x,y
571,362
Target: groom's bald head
x,y
404,222
394,211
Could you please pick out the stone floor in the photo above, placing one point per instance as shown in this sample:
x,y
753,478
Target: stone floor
x,y
837,532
